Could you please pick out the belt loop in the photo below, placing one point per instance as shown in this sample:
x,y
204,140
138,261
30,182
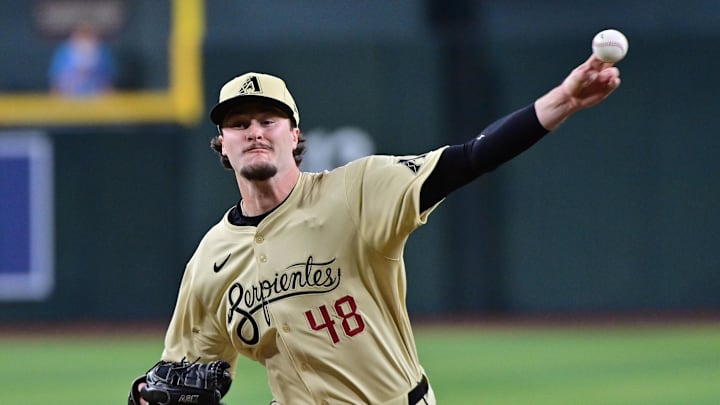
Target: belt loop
x,y
417,393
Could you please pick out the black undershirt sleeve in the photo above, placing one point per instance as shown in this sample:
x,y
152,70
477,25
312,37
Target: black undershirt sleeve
x,y
498,143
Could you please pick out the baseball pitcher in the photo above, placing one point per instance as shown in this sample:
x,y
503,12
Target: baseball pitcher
x,y
305,274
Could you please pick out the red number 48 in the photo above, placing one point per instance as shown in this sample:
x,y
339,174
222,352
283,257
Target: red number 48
x,y
346,309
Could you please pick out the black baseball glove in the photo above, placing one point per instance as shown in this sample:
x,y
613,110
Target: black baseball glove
x,y
183,383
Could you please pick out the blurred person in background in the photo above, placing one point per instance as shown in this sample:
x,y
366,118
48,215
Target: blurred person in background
x,y
82,65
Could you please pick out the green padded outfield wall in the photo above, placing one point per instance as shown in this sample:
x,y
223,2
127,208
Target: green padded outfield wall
x,y
616,211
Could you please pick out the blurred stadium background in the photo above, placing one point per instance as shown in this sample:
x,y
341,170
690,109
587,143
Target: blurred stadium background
x,y
613,218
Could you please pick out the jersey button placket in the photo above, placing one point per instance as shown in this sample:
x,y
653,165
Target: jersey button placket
x,y
262,260
259,239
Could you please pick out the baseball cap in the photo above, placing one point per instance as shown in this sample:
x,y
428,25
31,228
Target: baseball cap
x,y
258,86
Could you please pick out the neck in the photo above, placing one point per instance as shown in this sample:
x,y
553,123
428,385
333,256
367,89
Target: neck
x,y
259,197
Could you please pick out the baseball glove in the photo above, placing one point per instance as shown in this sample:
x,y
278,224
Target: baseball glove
x,y
182,383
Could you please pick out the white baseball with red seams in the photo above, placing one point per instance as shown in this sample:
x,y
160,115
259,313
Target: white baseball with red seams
x,y
610,45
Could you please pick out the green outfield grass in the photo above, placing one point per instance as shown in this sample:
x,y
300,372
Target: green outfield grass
x,y
469,365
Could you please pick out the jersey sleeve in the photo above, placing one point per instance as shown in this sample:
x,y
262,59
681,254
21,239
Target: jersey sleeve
x,y
195,333
383,194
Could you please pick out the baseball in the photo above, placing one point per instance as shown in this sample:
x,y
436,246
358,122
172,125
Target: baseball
x,y
610,45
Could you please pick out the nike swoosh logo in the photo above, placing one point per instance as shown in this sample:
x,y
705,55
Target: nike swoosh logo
x,y
218,267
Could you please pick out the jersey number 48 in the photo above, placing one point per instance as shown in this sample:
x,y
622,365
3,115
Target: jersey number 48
x,y
345,309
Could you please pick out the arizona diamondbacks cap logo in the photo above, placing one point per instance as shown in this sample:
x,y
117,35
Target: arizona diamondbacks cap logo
x,y
413,164
251,86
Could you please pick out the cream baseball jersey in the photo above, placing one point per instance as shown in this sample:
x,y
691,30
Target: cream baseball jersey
x,y
315,292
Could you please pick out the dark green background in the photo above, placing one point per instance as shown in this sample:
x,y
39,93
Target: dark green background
x,y
616,211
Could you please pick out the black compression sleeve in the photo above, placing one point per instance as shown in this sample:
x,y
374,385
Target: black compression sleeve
x,y
499,142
